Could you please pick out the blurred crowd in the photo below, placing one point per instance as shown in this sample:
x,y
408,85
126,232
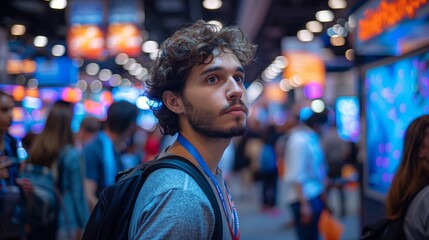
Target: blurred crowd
x,y
51,181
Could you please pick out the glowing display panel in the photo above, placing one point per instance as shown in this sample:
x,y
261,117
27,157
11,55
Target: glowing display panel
x,y
397,93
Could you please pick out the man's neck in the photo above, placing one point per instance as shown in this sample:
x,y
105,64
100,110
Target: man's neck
x,y
210,149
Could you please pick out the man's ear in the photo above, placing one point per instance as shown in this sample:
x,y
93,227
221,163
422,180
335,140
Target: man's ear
x,y
172,102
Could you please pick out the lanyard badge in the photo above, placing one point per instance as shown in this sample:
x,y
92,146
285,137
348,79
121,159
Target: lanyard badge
x,y
234,227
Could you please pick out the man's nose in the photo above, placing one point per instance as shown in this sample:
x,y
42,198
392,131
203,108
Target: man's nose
x,y
235,90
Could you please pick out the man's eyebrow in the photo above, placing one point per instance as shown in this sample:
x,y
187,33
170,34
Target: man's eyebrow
x,y
217,68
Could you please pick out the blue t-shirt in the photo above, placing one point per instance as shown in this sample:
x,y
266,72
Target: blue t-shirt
x,y
94,159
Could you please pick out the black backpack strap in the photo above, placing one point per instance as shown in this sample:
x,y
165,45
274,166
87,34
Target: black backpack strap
x,y
181,163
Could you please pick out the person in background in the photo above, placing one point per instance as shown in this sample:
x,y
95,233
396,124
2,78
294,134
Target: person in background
x,y
412,179
11,222
152,145
7,142
268,169
336,152
198,81
54,149
89,127
102,154
306,173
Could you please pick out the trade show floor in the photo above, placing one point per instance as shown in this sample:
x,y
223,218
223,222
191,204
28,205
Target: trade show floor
x,y
275,224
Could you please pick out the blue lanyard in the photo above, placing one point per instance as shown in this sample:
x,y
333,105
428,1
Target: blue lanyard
x,y
194,152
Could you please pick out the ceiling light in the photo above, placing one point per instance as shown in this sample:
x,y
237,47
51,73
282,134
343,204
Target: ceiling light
x,y
154,55
58,50
121,58
350,54
337,41
352,22
115,80
58,4
17,30
150,46
285,85
40,41
92,69
337,4
305,35
105,74
96,86
314,26
325,16
217,23
212,4
317,106
82,85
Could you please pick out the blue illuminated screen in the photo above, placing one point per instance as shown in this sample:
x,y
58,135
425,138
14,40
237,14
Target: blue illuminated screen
x,y
348,118
397,93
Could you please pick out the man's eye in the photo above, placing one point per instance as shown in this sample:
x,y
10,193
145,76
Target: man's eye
x,y
212,80
239,79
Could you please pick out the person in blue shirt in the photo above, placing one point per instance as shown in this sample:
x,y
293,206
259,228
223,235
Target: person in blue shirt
x,y
102,154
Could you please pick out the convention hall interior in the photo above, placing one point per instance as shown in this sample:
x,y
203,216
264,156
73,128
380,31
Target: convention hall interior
x,y
365,63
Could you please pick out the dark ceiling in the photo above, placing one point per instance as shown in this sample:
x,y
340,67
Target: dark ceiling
x,y
265,21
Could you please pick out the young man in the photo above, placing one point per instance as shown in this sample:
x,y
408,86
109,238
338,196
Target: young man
x,y
197,83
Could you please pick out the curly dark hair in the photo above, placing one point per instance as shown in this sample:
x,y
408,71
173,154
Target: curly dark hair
x,y
190,46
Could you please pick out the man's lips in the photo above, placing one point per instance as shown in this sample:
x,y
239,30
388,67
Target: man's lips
x,y
237,108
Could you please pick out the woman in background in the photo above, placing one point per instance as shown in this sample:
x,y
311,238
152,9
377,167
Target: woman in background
x,y
412,179
54,148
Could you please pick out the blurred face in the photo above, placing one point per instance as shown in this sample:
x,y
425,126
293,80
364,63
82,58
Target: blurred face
x,y
214,97
6,107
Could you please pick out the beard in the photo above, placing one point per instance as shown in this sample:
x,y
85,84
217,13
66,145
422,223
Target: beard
x,y
204,122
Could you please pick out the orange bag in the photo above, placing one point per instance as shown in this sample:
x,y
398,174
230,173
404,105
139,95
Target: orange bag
x,y
329,227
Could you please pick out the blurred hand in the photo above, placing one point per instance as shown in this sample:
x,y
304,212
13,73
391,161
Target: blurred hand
x,y
27,187
4,164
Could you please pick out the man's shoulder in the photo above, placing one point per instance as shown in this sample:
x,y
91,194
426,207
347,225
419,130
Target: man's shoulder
x,y
166,180
94,146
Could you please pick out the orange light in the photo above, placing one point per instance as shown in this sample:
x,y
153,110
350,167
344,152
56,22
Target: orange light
x,y
14,67
106,98
86,41
18,93
33,92
92,107
124,38
387,14
307,67
18,114
273,93
73,95
28,66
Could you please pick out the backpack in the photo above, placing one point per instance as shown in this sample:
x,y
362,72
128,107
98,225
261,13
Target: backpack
x,y
44,206
12,215
388,229
117,201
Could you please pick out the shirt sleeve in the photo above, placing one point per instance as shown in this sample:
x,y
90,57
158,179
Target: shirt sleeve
x,y
75,166
91,161
295,157
176,214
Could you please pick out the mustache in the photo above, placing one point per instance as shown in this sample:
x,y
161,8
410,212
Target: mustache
x,y
234,104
